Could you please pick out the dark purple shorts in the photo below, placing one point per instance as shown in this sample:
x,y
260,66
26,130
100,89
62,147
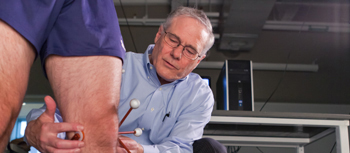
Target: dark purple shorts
x,y
66,27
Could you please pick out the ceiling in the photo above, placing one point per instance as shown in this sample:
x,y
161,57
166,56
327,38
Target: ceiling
x,y
238,23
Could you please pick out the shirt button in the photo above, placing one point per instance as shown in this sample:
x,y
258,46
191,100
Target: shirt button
x,y
123,71
152,109
160,88
151,67
148,77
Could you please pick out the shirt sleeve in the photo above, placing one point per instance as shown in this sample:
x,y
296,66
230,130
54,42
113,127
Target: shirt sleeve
x,y
35,113
189,125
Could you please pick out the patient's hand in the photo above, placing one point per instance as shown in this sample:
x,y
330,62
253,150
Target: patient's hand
x,y
131,144
42,132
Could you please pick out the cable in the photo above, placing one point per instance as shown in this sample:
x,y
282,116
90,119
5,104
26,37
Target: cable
x,y
333,147
285,69
127,23
278,84
259,149
237,149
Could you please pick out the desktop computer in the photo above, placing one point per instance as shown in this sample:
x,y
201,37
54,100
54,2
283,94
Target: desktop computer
x,y
234,88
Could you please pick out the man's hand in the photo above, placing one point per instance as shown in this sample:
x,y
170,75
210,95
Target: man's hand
x,y
131,144
42,132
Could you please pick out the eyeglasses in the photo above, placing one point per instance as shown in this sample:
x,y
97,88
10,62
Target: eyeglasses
x,y
173,41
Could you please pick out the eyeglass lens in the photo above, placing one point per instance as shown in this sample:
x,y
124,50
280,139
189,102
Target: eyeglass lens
x,y
174,42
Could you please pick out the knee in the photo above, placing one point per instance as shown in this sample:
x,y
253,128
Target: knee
x,y
208,145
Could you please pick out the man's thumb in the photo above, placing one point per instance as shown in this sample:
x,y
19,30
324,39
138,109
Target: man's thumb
x,y
50,106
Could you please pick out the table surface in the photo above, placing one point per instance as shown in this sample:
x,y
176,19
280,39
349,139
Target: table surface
x,y
263,130
282,115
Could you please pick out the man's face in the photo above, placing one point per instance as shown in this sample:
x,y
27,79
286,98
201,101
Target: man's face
x,y
171,64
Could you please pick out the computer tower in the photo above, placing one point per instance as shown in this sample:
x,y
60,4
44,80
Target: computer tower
x,y
234,88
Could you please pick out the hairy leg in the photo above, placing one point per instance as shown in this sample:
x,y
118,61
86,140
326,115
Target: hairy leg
x,y
87,91
16,58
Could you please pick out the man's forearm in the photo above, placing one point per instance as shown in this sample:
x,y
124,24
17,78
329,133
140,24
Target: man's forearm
x,y
87,91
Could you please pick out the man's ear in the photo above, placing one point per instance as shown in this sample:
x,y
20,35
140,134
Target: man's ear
x,y
159,33
200,59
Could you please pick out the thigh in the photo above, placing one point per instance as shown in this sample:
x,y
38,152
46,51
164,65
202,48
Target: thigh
x,y
84,81
16,58
82,55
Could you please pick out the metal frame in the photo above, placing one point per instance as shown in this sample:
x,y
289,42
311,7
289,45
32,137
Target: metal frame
x,y
339,126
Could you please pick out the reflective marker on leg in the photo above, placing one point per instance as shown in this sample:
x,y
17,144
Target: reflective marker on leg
x,y
79,135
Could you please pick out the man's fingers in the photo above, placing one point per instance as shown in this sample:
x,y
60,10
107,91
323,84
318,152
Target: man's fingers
x,y
66,144
55,150
50,106
121,150
67,127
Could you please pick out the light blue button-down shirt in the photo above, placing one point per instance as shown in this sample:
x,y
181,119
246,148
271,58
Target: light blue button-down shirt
x,y
188,103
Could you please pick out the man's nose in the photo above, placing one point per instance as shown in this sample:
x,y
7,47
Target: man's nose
x,y
177,52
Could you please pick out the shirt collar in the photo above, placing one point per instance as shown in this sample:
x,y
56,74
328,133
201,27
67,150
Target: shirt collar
x,y
147,63
148,52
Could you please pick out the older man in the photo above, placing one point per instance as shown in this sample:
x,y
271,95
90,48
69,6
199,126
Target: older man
x,y
175,103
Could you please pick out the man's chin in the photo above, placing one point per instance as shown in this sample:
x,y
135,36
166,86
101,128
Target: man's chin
x,y
165,79
169,80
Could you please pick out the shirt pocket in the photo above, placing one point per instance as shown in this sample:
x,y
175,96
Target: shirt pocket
x,y
162,131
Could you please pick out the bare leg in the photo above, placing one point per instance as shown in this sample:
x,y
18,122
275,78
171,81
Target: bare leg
x,y
16,58
87,91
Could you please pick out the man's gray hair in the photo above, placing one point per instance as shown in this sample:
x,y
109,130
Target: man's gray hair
x,y
196,14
